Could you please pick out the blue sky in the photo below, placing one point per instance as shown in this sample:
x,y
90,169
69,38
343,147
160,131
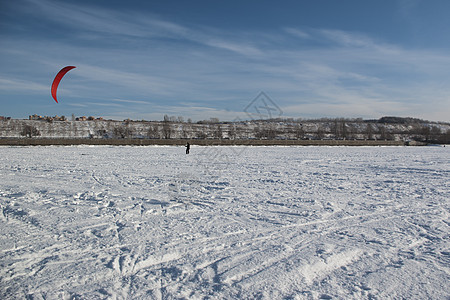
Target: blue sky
x,y
203,59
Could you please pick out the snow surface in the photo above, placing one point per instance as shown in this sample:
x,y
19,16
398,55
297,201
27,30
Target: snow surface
x,y
224,222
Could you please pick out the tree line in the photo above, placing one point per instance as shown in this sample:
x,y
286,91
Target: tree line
x,y
386,128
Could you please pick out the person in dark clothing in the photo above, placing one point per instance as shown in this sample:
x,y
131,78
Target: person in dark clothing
x,y
188,147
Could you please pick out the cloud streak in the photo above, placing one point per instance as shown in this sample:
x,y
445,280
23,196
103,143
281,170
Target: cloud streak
x,y
24,86
153,65
132,25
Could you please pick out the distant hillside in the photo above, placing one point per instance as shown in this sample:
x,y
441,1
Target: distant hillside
x,y
386,128
399,120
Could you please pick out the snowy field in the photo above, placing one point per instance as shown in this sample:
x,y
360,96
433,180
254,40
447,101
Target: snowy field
x,y
224,223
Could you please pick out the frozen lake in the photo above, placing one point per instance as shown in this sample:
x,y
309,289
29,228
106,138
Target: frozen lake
x,y
224,222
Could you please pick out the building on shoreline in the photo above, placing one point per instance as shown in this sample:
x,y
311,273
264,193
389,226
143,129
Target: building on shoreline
x,y
36,117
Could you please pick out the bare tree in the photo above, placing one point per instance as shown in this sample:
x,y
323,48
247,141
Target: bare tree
x,y
167,130
298,131
128,130
201,135
153,131
435,133
119,132
193,130
232,131
265,131
218,133
30,131
384,133
185,130
369,132
320,132
344,130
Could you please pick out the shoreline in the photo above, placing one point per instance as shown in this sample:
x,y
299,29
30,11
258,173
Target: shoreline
x,y
196,142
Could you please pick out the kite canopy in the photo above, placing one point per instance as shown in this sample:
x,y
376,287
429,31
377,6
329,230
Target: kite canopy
x,y
58,78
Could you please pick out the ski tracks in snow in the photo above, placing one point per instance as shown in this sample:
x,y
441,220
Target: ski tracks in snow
x,y
268,223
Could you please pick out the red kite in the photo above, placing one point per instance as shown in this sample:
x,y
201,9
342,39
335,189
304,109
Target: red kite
x,y
58,78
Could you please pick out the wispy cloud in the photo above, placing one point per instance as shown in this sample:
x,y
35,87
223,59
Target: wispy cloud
x,y
347,39
297,32
134,25
130,80
152,66
87,18
130,101
24,86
